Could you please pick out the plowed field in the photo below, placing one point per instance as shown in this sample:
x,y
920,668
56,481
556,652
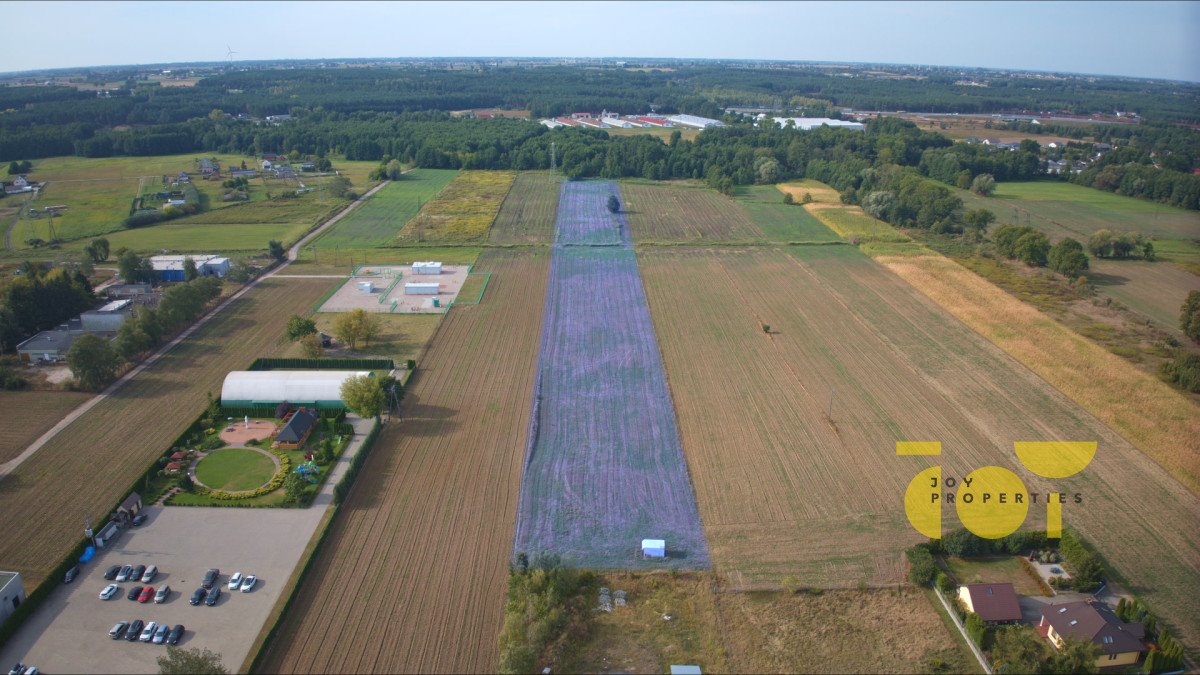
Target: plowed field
x,y
527,214
674,214
412,576
28,414
89,464
784,489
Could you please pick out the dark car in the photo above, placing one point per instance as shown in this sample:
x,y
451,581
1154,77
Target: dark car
x,y
134,593
213,596
71,574
175,634
136,575
134,631
112,573
139,519
198,596
210,578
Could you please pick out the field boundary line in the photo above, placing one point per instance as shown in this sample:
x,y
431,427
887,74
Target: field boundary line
x,y
293,253
987,667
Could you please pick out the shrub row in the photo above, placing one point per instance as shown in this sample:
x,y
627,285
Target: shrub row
x,y
343,486
922,568
323,364
1088,570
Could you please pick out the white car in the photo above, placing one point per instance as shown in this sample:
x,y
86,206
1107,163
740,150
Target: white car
x,y
150,573
109,591
148,631
235,581
248,583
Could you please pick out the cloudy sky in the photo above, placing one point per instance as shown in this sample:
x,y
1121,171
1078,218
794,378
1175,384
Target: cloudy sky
x,y
1146,39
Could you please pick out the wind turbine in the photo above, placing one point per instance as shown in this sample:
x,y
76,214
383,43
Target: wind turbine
x,y
229,53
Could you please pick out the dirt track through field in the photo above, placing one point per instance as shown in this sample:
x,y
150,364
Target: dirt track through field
x,y
412,576
783,490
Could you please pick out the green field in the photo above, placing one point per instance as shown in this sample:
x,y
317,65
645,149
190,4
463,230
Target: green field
x,y
235,469
528,212
1154,289
1067,210
98,193
779,221
379,219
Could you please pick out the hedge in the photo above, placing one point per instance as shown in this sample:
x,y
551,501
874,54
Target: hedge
x,y
343,486
323,364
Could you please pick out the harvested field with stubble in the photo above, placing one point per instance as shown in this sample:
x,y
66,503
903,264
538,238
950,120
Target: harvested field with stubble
x,y
88,466
412,576
1155,289
685,214
29,414
528,212
784,490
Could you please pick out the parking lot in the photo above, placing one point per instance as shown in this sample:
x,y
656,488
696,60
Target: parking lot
x,y
69,633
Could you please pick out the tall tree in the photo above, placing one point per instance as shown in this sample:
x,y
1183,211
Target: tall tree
x,y
298,327
364,395
355,326
983,185
276,250
179,661
1189,316
92,361
189,269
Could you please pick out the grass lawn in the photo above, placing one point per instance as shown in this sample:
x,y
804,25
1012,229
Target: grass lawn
x,y
1068,210
235,469
401,336
380,219
779,221
997,569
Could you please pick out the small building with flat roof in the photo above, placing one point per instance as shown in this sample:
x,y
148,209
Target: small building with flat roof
x,y
106,318
12,594
51,345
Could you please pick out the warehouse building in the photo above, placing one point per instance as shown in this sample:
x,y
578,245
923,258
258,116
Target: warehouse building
x,y
12,594
695,121
51,345
170,267
808,123
320,389
108,318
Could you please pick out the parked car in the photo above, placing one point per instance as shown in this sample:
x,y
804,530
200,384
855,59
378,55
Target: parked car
x,y
148,631
248,583
210,578
17,669
235,581
139,519
123,575
163,593
31,670
149,574
71,574
134,593
176,634
198,596
135,629
213,596
160,635
136,575
118,630
109,591
146,595
112,573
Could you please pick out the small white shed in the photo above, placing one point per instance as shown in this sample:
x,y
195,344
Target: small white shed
x,y
417,288
654,548
366,287
685,670
427,268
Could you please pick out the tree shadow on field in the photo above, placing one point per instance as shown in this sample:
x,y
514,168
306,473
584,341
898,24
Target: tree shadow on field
x,y
1101,279
224,326
428,420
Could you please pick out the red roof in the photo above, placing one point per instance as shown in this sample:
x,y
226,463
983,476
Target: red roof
x,y
174,466
994,602
178,455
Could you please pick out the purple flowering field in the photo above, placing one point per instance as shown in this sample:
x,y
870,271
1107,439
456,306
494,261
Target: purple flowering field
x,y
604,468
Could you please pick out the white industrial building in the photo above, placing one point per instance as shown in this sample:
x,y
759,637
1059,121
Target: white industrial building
x,y
422,288
427,268
808,123
654,548
695,121
107,318
12,594
170,267
312,388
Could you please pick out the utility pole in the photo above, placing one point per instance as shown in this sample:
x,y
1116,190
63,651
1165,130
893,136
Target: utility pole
x,y
553,160
832,394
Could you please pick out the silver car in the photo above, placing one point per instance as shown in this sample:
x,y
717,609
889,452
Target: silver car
x,y
148,632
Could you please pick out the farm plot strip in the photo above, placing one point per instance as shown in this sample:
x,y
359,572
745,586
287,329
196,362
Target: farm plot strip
x,y
786,489
87,466
411,577
605,468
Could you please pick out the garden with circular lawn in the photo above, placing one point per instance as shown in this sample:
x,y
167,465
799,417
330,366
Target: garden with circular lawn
x,y
235,469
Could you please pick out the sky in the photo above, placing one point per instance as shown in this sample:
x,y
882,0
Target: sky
x,y
1140,39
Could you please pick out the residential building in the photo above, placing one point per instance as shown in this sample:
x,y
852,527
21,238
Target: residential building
x,y
994,603
296,430
1120,643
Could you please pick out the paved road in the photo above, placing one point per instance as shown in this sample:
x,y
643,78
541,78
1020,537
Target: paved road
x,y
11,465
69,632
